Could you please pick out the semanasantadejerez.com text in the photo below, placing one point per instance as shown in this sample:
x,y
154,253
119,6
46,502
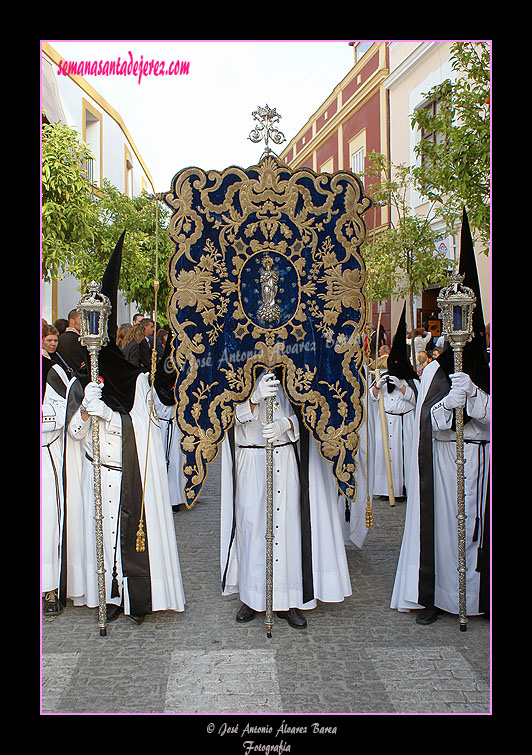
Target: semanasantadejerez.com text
x,y
127,67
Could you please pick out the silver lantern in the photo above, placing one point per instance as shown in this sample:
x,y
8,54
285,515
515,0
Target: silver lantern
x,y
457,303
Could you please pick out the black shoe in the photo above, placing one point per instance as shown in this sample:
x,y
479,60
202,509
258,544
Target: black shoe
x,y
135,619
113,611
294,617
50,604
245,613
428,615
178,507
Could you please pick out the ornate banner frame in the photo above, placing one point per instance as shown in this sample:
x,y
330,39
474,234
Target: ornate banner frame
x,y
267,272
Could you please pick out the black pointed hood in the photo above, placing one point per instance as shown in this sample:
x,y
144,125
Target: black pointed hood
x,y
119,375
398,363
474,358
110,281
166,375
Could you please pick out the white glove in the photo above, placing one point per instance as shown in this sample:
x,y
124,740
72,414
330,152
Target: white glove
x,y
92,391
266,388
462,381
382,381
395,381
93,404
97,408
274,430
455,398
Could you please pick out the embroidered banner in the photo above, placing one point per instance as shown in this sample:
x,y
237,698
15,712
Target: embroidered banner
x,y
267,271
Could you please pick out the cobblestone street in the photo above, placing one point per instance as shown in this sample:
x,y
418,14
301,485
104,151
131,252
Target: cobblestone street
x,y
355,657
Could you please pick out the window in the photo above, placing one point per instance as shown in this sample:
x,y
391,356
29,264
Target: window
x,y
357,163
92,136
360,49
447,246
430,135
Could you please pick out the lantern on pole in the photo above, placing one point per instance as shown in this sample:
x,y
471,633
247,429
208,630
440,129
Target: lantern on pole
x,y
94,309
457,303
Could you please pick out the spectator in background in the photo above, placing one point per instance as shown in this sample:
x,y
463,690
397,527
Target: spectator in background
x,y
421,361
162,336
61,325
421,339
69,346
50,339
431,341
131,347
146,344
122,334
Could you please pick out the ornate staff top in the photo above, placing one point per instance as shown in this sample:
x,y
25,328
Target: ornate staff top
x,y
265,128
94,309
457,302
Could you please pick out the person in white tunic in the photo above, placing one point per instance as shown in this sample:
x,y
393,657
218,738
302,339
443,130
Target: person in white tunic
x,y
55,382
399,406
309,560
353,513
397,386
426,579
427,576
134,485
165,406
136,582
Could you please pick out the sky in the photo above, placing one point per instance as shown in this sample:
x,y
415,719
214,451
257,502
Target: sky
x,y
204,118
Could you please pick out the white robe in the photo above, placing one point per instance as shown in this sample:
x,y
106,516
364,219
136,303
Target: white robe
x,y
355,530
246,570
53,420
399,415
405,591
171,436
165,574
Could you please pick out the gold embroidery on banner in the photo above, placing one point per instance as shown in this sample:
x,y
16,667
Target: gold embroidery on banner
x,y
324,290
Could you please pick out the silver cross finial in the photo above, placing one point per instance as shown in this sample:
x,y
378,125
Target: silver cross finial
x,y
266,118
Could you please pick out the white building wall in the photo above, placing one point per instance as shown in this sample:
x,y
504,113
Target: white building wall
x,y
115,148
416,67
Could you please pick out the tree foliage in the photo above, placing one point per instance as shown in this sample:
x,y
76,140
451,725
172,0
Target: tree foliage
x,y
454,170
145,253
68,213
80,229
403,259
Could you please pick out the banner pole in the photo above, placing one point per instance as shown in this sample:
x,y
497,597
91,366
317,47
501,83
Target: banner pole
x,y
269,522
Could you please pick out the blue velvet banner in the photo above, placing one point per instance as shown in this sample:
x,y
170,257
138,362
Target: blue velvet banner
x,y
267,272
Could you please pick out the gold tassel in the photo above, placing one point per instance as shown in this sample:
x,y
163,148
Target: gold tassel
x,y
369,514
141,539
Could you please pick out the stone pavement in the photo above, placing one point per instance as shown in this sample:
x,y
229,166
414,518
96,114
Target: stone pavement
x,y
355,657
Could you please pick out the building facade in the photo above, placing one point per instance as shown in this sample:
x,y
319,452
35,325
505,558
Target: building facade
x,y
350,124
415,68
370,110
72,101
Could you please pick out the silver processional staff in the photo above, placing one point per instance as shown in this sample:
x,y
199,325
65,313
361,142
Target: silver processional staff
x,y
94,309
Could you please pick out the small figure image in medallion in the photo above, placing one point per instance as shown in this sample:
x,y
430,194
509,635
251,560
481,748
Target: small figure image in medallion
x,y
269,311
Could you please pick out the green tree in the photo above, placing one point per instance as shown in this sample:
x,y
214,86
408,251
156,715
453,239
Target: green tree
x,y
80,230
68,211
403,259
454,169
146,249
